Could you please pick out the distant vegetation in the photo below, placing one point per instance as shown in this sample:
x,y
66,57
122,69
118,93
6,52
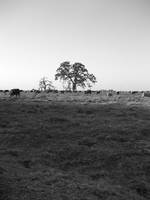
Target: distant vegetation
x,y
45,84
74,75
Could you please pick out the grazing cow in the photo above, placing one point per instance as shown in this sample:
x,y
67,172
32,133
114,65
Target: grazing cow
x,y
98,92
49,90
62,91
5,91
146,94
15,92
134,92
88,92
32,90
55,91
69,91
118,93
109,94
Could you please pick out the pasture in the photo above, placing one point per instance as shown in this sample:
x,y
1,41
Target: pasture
x,y
74,147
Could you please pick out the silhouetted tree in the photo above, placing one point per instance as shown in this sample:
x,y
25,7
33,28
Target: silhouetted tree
x,y
75,74
45,84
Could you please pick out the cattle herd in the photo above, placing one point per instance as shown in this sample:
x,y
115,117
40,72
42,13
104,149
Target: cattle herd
x,y
109,93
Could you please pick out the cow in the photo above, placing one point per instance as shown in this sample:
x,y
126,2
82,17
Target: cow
x,y
146,94
55,91
49,91
109,94
32,90
62,91
88,92
69,91
5,91
15,92
134,92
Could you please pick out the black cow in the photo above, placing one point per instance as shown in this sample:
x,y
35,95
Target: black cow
x,y
88,92
134,92
109,94
62,91
55,91
98,92
15,92
5,91
69,91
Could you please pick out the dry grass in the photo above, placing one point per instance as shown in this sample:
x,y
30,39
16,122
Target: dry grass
x,y
74,149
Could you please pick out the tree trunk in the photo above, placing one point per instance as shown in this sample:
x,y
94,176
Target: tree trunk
x,y
74,87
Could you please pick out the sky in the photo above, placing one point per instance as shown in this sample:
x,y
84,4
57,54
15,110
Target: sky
x,y
110,37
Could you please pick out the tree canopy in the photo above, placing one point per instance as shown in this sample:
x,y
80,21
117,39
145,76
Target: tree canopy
x,y
75,75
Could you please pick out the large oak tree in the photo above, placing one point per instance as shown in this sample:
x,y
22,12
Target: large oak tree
x,y
75,74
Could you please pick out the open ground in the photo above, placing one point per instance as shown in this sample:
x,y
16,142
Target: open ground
x,y
74,147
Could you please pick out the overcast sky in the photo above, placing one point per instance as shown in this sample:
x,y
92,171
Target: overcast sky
x,y
110,37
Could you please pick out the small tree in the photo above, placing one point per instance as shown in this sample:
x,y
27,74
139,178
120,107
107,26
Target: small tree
x,y
75,74
45,84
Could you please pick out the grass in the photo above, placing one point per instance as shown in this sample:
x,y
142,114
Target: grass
x,y
60,151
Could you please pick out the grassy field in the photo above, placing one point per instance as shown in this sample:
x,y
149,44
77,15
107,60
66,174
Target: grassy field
x,y
67,148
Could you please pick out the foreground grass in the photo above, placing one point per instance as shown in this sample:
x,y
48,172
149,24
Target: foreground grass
x,y
72,151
